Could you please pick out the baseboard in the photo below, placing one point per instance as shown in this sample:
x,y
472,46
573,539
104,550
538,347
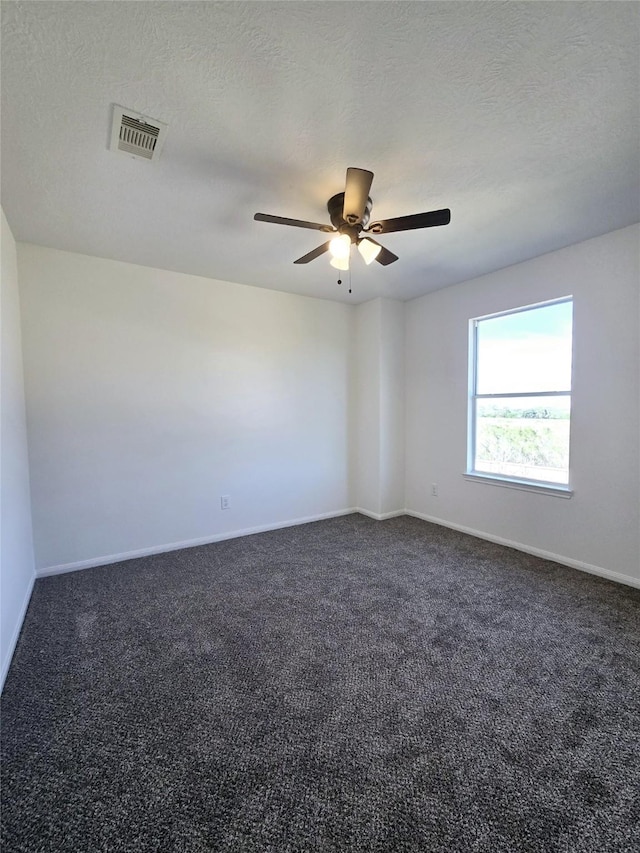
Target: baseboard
x,y
108,559
6,663
536,552
380,516
248,531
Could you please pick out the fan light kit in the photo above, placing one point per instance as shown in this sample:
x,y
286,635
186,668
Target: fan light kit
x,y
350,212
340,263
340,247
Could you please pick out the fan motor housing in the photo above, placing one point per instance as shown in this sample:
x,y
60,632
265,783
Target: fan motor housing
x,y
335,206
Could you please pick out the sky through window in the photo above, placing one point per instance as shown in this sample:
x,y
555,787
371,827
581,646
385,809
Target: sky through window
x,y
525,352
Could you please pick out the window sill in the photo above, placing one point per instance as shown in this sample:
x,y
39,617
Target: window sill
x,y
523,485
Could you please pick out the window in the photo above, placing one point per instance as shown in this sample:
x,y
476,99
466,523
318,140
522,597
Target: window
x,y
520,396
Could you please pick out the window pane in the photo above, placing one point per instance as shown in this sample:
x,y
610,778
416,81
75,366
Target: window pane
x,y
525,352
523,437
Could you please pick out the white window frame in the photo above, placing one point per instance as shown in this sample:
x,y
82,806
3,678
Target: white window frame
x,y
539,486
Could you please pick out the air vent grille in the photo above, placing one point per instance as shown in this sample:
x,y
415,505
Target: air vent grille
x,y
137,138
136,135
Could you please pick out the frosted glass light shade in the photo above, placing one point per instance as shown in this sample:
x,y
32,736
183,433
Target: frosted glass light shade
x,y
340,263
340,246
369,250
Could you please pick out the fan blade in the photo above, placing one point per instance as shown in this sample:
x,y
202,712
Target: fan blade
x,y
384,256
408,223
311,256
356,194
298,223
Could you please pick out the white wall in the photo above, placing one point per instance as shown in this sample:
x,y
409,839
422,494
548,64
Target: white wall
x,y
366,433
16,543
600,525
391,418
150,394
378,439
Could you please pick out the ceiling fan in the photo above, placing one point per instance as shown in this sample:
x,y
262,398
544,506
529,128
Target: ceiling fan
x,y
350,212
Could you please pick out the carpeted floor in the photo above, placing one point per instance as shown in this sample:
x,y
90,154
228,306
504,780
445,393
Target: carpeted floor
x,y
347,685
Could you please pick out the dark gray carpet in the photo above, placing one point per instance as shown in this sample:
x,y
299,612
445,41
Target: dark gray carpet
x,y
347,685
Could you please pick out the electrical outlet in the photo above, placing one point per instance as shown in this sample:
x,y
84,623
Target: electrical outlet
x,y
225,502
434,490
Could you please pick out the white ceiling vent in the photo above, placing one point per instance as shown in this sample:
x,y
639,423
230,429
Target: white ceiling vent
x,y
136,135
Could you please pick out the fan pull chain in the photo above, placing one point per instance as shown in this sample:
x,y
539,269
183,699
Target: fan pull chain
x,y
340,281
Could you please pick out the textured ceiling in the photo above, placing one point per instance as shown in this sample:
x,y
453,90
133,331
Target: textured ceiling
x,y
520,117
